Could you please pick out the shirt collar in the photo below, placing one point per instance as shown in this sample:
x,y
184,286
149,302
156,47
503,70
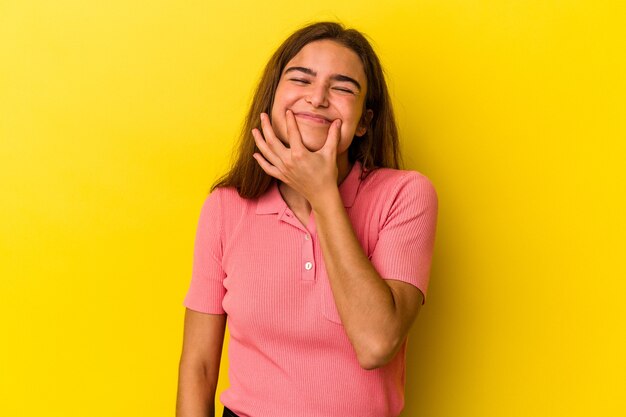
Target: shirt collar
x,y
272,201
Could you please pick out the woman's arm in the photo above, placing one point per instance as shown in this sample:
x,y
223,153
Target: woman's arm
x,y
376,313
199,364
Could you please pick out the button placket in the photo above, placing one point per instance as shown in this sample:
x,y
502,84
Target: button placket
x,y
308,263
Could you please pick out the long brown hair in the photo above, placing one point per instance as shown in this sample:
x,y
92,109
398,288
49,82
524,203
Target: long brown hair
x,y
379,147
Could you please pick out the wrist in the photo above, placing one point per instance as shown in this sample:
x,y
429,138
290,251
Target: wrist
x,y
325,199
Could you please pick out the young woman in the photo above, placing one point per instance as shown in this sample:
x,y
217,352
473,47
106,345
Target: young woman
x,y
315,246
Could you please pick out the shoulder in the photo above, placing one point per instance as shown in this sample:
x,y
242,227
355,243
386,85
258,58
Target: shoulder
x,y
225,206
390,183
226,198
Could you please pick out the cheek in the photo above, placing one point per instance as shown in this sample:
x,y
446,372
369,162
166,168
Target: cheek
x,y
277,107
284,95
283,100
348,131
277,119
351,109
344,144
351,123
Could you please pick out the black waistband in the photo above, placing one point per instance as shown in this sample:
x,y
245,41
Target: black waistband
x,y
228,413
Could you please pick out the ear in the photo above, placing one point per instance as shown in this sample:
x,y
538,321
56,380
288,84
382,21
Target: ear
x,y
364,124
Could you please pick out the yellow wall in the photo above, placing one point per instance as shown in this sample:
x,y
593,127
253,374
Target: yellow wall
x,y
116,116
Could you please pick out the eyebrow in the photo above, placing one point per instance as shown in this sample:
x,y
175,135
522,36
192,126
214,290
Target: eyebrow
x,y
334,77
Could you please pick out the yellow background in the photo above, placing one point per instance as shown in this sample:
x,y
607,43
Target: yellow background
x,y
116,116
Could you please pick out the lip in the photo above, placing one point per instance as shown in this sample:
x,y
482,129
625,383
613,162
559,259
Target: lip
x,y
313,117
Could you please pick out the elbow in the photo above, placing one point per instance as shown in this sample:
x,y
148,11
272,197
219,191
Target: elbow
x,y
377,354
370,364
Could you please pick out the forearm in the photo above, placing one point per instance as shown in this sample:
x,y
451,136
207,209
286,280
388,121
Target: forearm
x,y
196,392
364,301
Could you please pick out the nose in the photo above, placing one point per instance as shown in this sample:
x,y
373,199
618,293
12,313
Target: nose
x,y
318,96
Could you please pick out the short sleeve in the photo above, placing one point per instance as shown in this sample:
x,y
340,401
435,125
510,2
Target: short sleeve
x,y
405,242
206,290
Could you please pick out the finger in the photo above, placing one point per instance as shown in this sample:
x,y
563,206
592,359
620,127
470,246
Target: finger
x,y
267,167
264,148
293,133
270,137
334,136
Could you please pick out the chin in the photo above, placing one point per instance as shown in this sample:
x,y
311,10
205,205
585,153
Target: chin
x,y
313,142
314,147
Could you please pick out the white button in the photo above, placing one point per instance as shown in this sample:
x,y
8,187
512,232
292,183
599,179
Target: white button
x,y
308,266
306,237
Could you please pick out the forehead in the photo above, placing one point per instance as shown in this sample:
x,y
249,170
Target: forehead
x,y
329,57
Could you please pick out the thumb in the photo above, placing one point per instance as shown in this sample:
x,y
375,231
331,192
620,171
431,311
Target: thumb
x,y
334,136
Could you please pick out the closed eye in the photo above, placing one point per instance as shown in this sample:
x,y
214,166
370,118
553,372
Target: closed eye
x,y
302,81
345,90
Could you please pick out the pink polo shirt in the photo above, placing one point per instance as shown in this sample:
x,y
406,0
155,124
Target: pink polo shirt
x,y
256,262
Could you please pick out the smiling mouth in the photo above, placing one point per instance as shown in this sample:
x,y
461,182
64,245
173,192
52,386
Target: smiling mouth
x,y
314,118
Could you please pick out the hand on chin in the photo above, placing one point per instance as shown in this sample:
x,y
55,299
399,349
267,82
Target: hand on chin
x,y
313,140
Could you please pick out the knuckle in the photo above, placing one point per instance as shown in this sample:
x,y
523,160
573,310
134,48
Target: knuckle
x,y
290,163
297,155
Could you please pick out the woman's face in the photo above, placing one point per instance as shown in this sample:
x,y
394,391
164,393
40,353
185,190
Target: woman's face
x,y
323,82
